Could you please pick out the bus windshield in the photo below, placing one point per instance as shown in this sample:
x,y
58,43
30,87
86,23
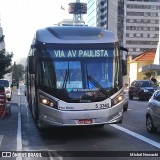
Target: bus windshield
x,y
61,70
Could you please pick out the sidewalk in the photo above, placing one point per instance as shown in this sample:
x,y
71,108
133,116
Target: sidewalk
x,y
8,127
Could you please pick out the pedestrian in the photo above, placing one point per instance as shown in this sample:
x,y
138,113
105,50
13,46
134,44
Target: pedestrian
x,y
153,79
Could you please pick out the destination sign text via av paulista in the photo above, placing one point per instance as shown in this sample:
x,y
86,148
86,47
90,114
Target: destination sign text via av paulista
x,y
80,53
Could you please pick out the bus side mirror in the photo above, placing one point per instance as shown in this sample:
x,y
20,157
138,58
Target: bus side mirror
x,y
124,60
31,66
123,49
124,67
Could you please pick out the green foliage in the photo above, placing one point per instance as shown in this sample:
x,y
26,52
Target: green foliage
x,y
17,72
5,62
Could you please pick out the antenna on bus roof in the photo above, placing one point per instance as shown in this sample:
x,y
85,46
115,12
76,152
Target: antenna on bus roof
x,y
77,9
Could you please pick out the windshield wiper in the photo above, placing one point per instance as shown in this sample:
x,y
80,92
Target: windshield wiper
x,y
87,76
97,84
66,77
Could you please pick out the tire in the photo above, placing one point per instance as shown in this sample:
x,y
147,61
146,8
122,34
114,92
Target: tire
x,y
141,97
9,99
125,108
130,96
149,125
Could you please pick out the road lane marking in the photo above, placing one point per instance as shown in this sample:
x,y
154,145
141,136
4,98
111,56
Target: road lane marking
x,y
1,138
19,136
147,140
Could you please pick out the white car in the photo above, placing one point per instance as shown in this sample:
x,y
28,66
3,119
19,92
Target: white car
x,y
8,89
153,113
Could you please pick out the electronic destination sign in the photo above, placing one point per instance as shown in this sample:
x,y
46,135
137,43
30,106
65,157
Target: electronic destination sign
x,y
81,53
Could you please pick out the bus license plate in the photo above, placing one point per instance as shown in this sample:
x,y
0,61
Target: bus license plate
x,y
85,121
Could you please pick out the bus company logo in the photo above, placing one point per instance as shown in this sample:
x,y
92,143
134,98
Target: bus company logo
x,y
86,115
6,154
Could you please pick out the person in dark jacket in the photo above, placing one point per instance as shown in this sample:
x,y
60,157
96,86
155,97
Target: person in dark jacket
x,y
153,79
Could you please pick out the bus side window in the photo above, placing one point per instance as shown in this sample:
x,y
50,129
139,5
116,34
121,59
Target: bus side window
x,y
31,65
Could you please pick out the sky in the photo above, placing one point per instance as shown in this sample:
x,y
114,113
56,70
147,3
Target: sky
x,y
21,18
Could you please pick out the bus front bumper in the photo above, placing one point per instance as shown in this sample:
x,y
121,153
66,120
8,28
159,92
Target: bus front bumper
x,y
53,117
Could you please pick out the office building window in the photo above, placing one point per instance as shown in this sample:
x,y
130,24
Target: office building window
x,y
153,14
145,35
152,28
130,49
131,35
138,35
152,21
152,35
146,14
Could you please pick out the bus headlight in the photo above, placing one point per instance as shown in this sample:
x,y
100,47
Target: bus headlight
x,y
117,100
48,102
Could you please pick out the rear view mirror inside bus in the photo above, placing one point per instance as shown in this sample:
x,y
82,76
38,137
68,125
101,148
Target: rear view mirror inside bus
x,y
31,64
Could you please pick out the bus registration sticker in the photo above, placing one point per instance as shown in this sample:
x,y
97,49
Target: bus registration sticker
x,y
85,121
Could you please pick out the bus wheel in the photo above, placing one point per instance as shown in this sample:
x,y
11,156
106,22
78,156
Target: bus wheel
x,y
9,99
38,124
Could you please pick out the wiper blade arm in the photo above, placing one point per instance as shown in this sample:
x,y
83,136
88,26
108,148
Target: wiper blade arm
x,y
65,79
97,85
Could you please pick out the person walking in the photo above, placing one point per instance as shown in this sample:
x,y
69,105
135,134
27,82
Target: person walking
x,y
153,79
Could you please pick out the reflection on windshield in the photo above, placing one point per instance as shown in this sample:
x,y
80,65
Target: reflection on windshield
x,y
68,74
72,74
101,71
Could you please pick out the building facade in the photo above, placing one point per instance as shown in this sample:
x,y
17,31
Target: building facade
x,y
141,25
108,14
136,22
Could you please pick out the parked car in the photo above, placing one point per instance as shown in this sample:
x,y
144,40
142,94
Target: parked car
x,y
143,89
8,88
153,113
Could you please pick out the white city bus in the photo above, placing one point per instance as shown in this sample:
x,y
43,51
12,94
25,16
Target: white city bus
x,y
75,77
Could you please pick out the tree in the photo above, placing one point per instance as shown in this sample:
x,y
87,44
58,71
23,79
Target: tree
x,y
5,62
17,72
